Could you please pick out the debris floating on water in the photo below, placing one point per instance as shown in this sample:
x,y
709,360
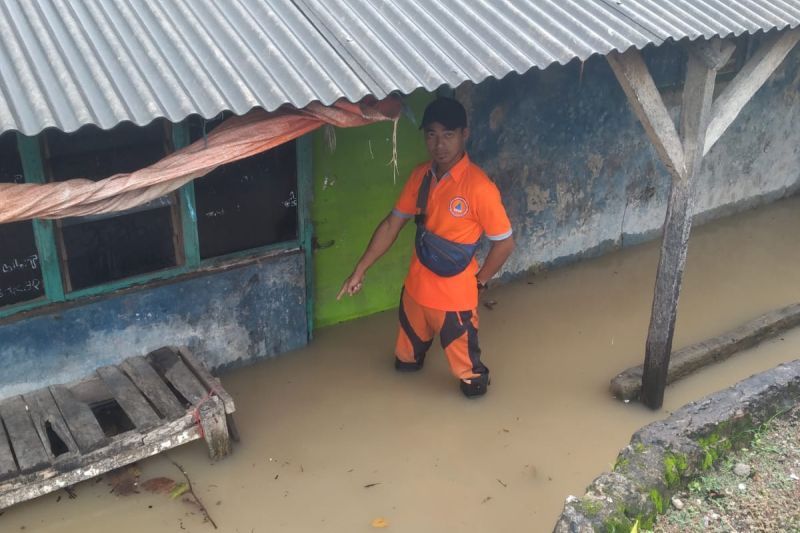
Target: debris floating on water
x,y
380,523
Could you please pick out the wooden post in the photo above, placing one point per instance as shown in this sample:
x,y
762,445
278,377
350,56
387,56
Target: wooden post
x,y
215,429
695,110
702,123
646,102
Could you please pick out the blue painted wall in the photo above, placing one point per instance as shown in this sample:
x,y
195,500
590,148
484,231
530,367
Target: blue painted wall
x,y
578,175
228,317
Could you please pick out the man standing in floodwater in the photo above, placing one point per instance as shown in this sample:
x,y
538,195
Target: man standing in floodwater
x,y
453,203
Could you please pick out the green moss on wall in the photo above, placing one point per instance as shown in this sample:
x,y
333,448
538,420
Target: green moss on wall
x,y
354,189
675,465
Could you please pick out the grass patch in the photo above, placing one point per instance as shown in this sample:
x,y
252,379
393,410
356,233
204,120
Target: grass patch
x,y
713,448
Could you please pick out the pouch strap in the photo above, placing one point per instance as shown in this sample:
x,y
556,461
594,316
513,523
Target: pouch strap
x,y
422,198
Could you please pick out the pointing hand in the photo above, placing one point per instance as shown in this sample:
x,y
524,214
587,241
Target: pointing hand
x,y
351,285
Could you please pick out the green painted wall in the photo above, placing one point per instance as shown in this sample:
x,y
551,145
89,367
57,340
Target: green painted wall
x,y
353,190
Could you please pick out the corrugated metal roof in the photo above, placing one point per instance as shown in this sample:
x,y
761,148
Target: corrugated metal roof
x,y
67,63
677,19
405,44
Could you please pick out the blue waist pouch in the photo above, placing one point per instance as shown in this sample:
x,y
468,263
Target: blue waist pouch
x,y
442,257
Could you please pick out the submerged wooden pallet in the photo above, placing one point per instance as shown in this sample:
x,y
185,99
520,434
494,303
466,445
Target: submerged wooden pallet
x,y
59,435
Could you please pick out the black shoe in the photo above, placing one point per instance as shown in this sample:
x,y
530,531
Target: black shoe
x,y
476,386
402,366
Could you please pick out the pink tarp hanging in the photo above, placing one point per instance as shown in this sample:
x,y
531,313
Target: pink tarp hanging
x,y
234,139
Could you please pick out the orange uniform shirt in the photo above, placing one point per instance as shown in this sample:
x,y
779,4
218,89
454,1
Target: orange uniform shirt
x,y
463,205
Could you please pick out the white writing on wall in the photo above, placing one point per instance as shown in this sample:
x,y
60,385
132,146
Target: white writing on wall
x,y
13,276
31,285
18,265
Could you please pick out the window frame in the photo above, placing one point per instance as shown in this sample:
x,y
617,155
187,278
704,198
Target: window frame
x,y
58,225
45,236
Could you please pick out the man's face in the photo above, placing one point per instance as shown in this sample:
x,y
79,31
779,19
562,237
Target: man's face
x,y
445,146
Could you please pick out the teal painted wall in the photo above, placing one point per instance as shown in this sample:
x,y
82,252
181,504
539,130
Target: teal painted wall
x,y
354,189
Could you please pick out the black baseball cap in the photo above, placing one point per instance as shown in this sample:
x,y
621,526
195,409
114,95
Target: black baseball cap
x,y
446,111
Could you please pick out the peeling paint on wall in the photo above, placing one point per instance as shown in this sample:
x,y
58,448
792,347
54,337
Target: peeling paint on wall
x,y
228,318
538,198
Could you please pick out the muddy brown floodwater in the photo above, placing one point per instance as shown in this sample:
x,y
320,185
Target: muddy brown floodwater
x,y
321,424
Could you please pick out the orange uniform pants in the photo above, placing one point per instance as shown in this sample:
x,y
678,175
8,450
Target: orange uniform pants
x,y
458,332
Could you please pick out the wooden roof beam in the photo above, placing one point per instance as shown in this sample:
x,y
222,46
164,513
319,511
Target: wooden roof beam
x,y
643,96
714,53
741,89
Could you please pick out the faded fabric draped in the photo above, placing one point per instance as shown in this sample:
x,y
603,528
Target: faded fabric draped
x,y
236,138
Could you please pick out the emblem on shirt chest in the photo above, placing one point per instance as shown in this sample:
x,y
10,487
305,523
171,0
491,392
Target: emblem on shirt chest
x,y
458,207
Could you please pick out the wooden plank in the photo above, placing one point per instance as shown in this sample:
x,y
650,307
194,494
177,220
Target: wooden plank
x,y
129,398
119,445
8,466
45,413
755,72
80,420
205,377
91,391
643,96
627,384
143,376
170,365
696,107
128,449
25,442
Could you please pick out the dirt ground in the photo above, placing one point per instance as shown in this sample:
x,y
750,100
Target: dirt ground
x,y
333,439
756,489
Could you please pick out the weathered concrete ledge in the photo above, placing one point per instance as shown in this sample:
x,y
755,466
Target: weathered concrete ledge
x,y
627,384
663,456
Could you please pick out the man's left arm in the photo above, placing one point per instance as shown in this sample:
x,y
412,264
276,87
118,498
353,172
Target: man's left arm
x,y
495,223
498,254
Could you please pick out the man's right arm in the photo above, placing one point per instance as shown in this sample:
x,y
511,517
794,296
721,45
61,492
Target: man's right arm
x,y
382,239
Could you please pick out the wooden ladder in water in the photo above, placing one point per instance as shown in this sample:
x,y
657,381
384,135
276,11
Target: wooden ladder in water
x,y
59,435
